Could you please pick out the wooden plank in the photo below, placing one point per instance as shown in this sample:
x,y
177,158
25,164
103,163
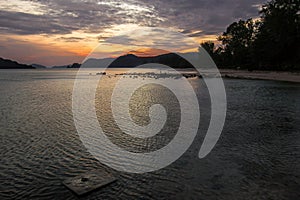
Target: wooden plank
x,y
89,181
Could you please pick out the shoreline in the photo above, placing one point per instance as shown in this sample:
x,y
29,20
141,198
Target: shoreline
x,y
293,77
261,75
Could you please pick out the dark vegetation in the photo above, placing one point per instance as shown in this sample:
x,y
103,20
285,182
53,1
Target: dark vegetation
x,y
74,65
270,43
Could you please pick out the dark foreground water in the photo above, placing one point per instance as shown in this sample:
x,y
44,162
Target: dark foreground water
x,y
257,156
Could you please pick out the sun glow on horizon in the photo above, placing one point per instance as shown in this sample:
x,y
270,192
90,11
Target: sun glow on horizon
x,y
112,42
63,32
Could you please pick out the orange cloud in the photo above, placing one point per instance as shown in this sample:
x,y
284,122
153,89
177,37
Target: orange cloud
x,y
148,52
65,49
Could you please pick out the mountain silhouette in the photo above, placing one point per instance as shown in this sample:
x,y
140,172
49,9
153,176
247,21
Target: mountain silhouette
x,y
38,66
130,60
9,64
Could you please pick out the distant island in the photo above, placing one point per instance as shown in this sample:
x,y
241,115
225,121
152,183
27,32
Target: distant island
x,y
131,60
38,66
74,65
9,64
170,59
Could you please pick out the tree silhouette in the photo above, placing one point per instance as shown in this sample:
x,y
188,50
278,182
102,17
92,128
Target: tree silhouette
x,y
277,44
209,46
271,42
237,43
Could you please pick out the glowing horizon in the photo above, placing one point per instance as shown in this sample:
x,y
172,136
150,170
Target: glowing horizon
x,y
64,32
75,47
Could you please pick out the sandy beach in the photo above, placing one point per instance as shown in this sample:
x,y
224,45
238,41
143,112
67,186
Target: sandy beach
x,y
263,75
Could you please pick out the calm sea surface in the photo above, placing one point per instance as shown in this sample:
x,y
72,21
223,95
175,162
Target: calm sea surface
x,y
257,156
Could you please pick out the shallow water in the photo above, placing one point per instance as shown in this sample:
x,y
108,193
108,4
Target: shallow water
x,y
257,156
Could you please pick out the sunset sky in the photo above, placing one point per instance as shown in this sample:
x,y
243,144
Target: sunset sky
x,y
57,32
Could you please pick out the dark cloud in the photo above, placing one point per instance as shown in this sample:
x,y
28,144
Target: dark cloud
x,y
197,34
211,16
121,39
71,39
147,37
61,17
102,38
24,23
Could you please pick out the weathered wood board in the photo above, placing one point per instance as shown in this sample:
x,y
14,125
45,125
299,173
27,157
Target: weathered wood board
x,y
89,181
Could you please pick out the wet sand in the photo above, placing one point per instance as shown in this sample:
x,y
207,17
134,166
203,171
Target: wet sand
x,y
263,75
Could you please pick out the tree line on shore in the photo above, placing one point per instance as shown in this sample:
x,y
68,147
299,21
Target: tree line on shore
x,y
271,42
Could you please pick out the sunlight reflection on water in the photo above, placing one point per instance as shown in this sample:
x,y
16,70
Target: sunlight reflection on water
x,y
256,157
